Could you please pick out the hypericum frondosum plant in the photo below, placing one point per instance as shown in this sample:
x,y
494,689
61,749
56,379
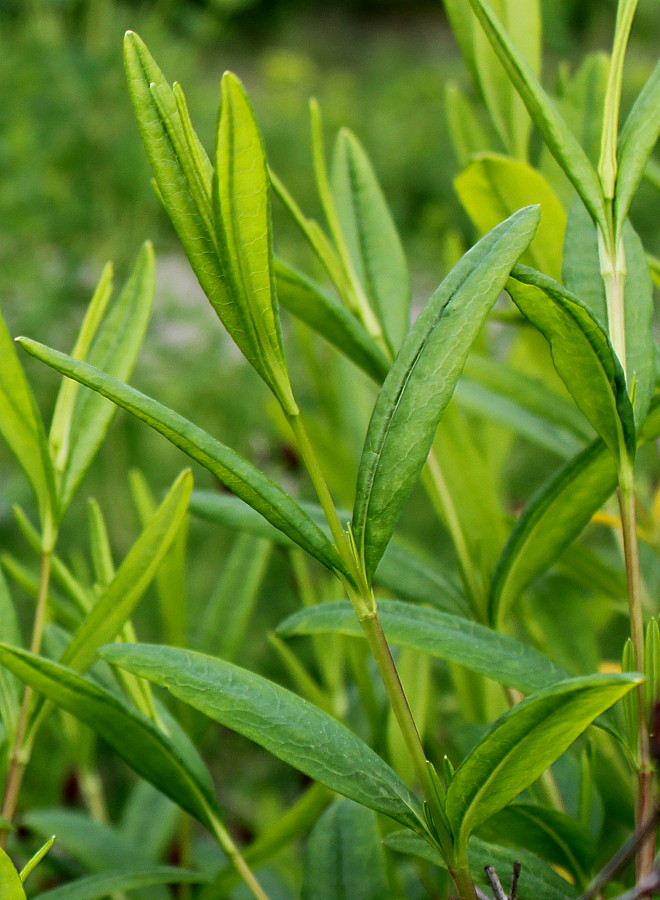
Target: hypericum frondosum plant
x,y
460,818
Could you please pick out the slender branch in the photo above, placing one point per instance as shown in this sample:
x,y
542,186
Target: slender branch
x,y
237,859
20,751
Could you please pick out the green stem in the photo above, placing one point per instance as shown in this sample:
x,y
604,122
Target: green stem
x,y
645,777
20,751
238,861
438,491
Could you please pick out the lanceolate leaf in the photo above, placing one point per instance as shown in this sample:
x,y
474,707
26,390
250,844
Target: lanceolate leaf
x,y
114,350
523,743
372,238
281,722
494,186
238,474
331,319
582,354
639,136
344,859
422,380
558,137
96,887
480,649
135,738
116,603
552,519
10,634
21,425
241,209
582,276
522,21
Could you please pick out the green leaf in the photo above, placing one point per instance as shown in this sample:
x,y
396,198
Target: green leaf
x,y
494,186
401,570
139,742
422,379
224,620
581,275
171,575
344,859
469,136
22,427
554,130
582,355
523,743
96,887
550,834
439,634
115,350
551,521
10,634
522,21
637,139
331,319
60,427
372,239
538,879
501,393
241,210
34,861
240,476
115,605
279,721
12,886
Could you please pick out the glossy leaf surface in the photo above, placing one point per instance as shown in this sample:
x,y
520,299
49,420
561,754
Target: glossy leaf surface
x,y
237,473
582,354
344,859
134,737
279,721
96,887
474,646
552,519
523,743
554,130
422,379
371,236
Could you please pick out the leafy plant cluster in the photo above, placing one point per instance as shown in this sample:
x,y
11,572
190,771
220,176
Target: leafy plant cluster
x,y
524,745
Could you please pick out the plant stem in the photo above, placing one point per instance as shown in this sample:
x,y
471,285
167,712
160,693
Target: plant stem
x,y
237,859
644,804
438,491
20,752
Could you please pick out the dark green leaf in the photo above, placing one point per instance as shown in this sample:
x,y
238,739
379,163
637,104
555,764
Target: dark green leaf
x,y
581,274
638,137
552,519
279,721
474,646
236,473
134,737
523,743
422,379
331,319
554,130
96,887
344,859
371,236
582,354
